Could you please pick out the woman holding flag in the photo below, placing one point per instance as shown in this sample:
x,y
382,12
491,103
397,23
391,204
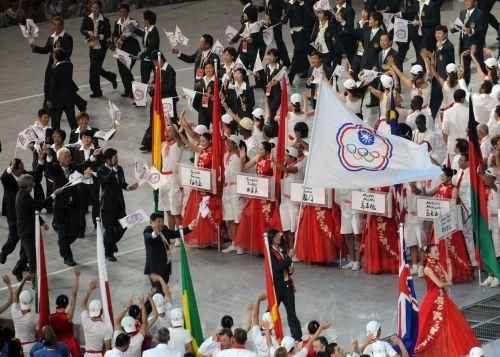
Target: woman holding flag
x,y
204,99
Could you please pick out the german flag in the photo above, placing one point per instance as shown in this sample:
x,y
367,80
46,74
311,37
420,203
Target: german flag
x,y
272,301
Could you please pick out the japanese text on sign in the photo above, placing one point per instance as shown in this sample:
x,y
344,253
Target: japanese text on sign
x,y
369,202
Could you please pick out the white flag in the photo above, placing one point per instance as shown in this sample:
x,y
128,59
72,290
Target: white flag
x,y
218,49
255,26
141,173
347,153
400,30
114,113
369,75
103,277
168,107
239,64
30,30
134,218
230,33
74,179
268,36
190,94
338,70
388,21
179,37
25,137
124,57
258,66
140,91
171,38
155,178
105,134
203,209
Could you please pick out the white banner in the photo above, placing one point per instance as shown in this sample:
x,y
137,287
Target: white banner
x,y
369,202
30,30
196,178
134,218
230,33
431,208
445,225
114,113
255,186
141,173
140,91
180,37
218,49
388,20
309,195
168,107
105,134
155,178
400,30
171,38
25,137
124,57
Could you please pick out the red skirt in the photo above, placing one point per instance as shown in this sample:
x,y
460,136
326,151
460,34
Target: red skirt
x,y
380,246
442,330
207,231
456,250
257,217
339,238
63,329
316,237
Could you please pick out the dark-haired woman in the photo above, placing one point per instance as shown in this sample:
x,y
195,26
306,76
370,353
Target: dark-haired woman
x,y
204,99
442,329
272,87
322,37
258,215
62,320
225,70
353,97
448,87
452,247
420,83
251,37
295,115
240,97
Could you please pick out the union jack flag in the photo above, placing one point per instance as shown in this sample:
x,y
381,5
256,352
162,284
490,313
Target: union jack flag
x,y
407,301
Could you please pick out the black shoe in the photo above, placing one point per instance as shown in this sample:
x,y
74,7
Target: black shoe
x,y
144,149
303,75
111,258
70,262
95,95
83,108
3,258
19,276
81,235
372,105
414,63
126,94
113,82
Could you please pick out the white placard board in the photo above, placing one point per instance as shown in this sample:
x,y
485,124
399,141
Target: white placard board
x,y
197,178
313,196
446,224
370,202
431,208
255,186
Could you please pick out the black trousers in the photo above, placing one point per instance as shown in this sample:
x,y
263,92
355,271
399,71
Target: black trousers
x,y
286,296
12,238
27,256
146,68
89,195
96,71
280,45
300,64
415,39
68,107
436,97
468,61
146,139
113,231
126,76
67,222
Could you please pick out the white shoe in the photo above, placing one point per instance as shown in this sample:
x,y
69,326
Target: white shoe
x,y
295,260
240,251
348,266
229,249
420,271
488,281
356,266
177,242
414,270
494,283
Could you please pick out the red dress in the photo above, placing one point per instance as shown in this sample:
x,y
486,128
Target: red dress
x,y
206,232
63,329
454,247
379,243
337,222
442,330
258,215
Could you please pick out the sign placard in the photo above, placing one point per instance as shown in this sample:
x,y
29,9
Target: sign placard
x,y
313,196
370,202
255,186
197,178
445,225
431,208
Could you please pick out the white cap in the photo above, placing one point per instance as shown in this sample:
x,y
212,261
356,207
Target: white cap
x,y
372,328
349,84
476,352
491,62
26,299
128,324
159,302
288,343
386,81
246,123
292,151
378,349
200,129
416,69
234,138
296,98
491,171
451,67
176,317
95,308
226,118
258,112
266,316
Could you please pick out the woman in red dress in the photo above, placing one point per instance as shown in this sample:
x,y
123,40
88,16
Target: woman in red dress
x,y
61,320
453,247
206,233
258,215
442,330
379,243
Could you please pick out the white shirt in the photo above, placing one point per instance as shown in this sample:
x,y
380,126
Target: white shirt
x,y
486,147
162,350
292,120
483,104
429,122
259,339
448,94
115,352
455,123
209,347
134,349
25,325
320,41
56,37
179,337
464,189
388,350
95,332
161,322
171,157
302,353
236,352
293,177
148,30
374,32
252,146
232,165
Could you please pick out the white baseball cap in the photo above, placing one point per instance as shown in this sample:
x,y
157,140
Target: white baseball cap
x,y
95,308
378,349
26,299
296,98
226,118
288,343
200,129
246,123
235,139
266,316
258,112
451,67
476,352
292,151
386,81
372,328
128,324
159,302
491,171
177,317
491,62
349,84
416,69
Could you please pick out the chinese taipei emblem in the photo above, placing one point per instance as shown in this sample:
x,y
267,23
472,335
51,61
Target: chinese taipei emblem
x,y
361,148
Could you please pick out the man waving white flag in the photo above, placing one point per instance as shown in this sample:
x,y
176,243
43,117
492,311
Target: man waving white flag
x,y
347,153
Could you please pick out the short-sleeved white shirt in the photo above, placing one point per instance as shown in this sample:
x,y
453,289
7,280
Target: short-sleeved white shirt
x,y
134,349
25,325
388,350
95,332
179,337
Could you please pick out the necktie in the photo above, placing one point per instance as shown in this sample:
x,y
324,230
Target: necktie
x,y
66,172
467,15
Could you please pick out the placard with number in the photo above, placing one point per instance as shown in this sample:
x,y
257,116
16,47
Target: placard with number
x,y
313,196
197,178
431,208
255,186
446,224
371,202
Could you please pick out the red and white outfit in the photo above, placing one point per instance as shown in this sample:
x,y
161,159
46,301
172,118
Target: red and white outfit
x,y
350,220
289,210
232,204
63,329
414,227
25,327
170,193
95,333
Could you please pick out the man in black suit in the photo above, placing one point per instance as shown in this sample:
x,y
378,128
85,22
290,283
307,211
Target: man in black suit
x,y
97,30
444,53
428,17
66,205
473,34
123,39
202,55
150,42
168,90
391,6
112,181
157,238
486,6
387,51
346,44
317,72
273,14
62,91
410,13
83,125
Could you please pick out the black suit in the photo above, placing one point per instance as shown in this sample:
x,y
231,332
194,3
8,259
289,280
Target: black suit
x,y
274,11
371,46
129,45
313,86
152,43
379,5
430,17
392,53
112,205
62,94
273,93
331,41
157,248
74,136
444,55
486,6
346,44
97,55
476,22
410,13
199,60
